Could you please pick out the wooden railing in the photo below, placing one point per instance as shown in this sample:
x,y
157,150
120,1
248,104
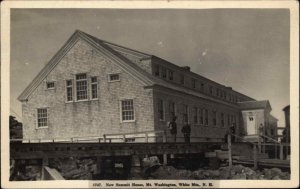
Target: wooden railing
x,y
143,136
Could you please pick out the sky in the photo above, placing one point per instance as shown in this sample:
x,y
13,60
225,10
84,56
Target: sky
x,y
247,49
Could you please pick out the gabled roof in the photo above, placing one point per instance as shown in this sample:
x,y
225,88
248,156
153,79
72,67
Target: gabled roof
x,y
250,105
101,46
273,118
115,53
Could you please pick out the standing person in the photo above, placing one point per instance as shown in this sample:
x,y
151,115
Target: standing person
x,y
186,130
173,128
232,132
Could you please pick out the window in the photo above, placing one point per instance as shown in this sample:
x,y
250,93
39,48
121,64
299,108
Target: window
x,y
50,85
181,79
185,116
81,87
211,90
206,116
172,109
193,83
69,86
218,92
127,110
164,72
201,116
161,112
228,120
156,70
114,77
202,86
225,97
222,120
94,87
214,117
42,117
170,72
195,112
222,94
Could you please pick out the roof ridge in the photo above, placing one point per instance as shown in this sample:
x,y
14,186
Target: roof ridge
x,y
114,44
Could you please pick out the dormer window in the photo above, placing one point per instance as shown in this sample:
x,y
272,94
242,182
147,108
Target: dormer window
x,y
193,83
170,75
50,85
164,72
181,79
211,90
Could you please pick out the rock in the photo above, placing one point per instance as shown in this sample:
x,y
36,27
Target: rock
x,y
276,178
224,173
276,171
238,168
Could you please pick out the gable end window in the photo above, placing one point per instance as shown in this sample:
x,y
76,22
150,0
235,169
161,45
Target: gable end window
x,y
50,85
127,110
94,87
81,87
42,117
114,77
69,86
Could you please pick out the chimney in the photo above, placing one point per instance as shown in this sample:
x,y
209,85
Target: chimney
x,y
187,68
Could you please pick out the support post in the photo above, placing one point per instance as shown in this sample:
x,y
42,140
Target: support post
x,y
104,138
229,151
146,137
164,137
124,138
276,151
165,159
281,151
254,157
98,164
259,144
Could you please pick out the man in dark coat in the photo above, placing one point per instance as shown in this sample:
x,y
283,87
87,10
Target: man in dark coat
x,y
186,130
173,128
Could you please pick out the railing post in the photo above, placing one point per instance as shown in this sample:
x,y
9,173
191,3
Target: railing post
x,y
164,136
254,156
104,138
146,137
124,138
229,151
276,151
281,152
259,143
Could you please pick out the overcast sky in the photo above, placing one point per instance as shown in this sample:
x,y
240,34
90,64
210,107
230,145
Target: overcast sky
x,y
246,49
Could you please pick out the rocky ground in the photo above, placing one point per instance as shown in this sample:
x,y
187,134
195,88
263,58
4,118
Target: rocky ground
x,y
85,169
238,172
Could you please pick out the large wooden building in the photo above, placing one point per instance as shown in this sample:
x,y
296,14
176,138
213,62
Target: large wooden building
x,y
92,87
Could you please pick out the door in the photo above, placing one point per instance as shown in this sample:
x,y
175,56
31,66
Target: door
x,y
251,126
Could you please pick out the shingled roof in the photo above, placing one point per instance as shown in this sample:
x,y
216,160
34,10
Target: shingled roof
x,y
250,105
115,53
